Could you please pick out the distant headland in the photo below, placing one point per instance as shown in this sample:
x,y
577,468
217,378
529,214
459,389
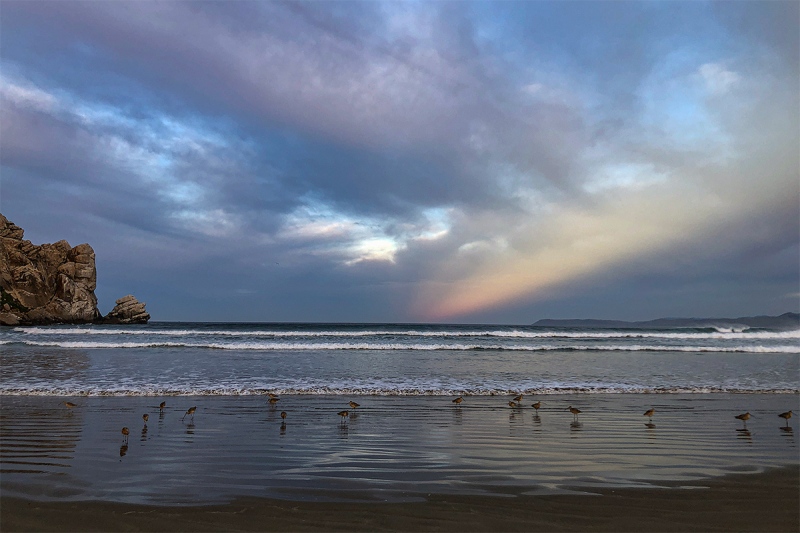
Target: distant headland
x,y
53,284
786,321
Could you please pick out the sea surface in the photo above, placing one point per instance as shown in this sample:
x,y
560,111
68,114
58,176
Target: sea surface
x,y
391,359
407,438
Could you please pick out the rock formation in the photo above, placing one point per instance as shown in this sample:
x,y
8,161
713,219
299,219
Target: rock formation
x,y
128,310
49,283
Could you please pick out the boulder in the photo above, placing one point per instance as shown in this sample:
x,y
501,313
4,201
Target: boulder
x,y
128,310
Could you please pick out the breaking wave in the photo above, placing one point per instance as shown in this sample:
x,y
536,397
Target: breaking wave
x,y
327,346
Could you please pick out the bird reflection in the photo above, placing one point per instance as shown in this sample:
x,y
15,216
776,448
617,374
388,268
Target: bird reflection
x,y
457,416
190,428
786,429
123,450
744,434
537,419
649,425
283,428
144,433
575,425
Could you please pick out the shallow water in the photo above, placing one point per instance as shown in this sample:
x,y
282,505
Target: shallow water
x,y
392,448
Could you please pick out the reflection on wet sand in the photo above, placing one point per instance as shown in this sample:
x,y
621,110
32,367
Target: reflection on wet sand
x,y
400,445
37,439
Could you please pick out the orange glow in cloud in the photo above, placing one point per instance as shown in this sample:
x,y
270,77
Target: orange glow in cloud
x,y
572,244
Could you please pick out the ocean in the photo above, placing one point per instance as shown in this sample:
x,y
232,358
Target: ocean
x,y
391,359
407,439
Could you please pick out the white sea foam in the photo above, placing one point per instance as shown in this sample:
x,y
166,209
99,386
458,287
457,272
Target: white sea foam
x,y
373,391
520,334
326,346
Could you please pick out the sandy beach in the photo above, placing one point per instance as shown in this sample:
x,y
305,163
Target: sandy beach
x,y
744,502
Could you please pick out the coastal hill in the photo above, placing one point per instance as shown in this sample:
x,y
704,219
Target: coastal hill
x,y
53,284
786,321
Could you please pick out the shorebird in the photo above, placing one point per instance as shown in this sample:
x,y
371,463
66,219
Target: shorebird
x,y
787,415
273,401
650,413
344,414
145,417
161,407
536,406
354,405
190,411
283,415
744,418
272,395
518,398
125,434
512,404
458,400
575,412
69,405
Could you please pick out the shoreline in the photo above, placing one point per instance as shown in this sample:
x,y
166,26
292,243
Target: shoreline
x,y
766,501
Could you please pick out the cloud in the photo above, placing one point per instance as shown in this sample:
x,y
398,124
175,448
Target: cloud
x,y
456,158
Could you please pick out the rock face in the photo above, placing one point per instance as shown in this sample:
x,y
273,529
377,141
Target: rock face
x,y
128,310
46,284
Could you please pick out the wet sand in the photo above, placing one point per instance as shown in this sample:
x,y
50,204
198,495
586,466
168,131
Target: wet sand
x,y
399,463
768,501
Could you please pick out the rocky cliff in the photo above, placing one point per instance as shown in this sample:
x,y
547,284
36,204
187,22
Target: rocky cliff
x,y
49,283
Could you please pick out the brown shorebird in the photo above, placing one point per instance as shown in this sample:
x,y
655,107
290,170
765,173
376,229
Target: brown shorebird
x,y
161,407
458,400
536,406
354,405
272,395
787,415
518,398
650,413
273,401
512,404
344,414
69,405
145,417
283,415
575,412
744,418
190,411
125,434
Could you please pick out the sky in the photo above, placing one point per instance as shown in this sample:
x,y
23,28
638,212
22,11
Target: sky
x,y
411,161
